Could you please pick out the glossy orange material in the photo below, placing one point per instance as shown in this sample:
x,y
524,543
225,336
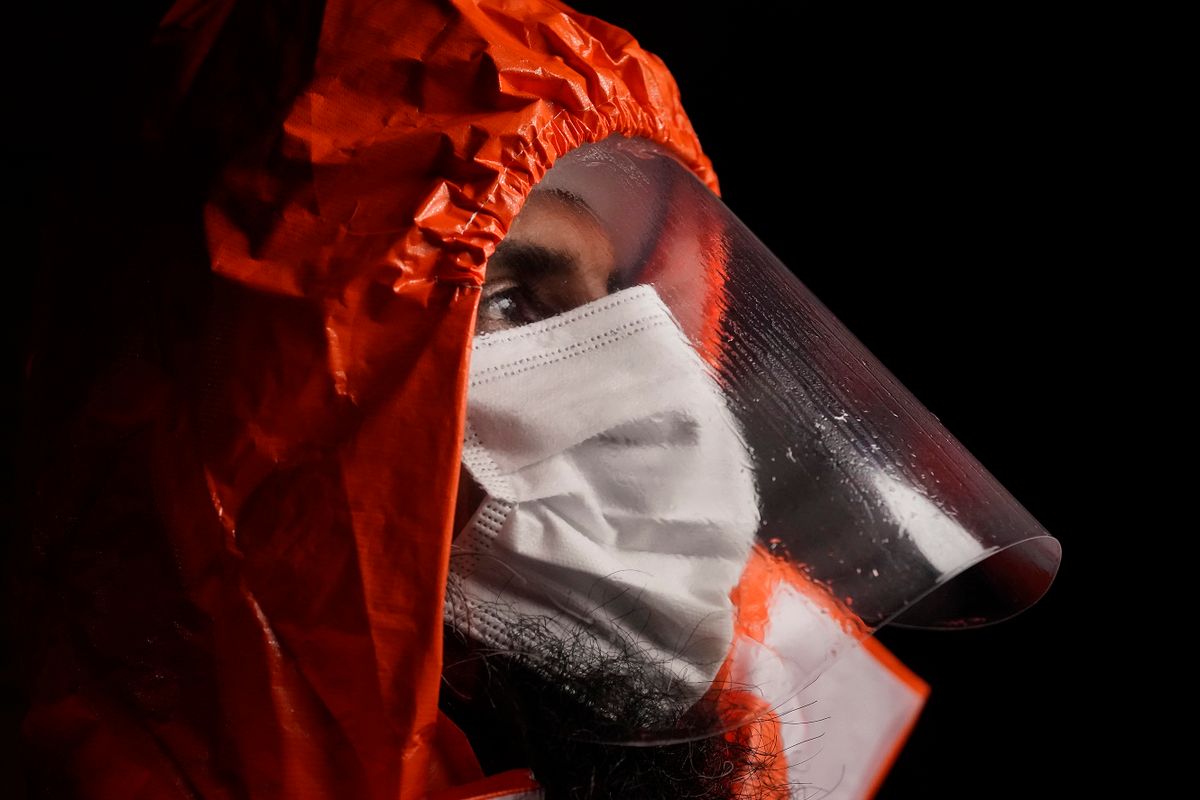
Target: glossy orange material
x,y
916,685
762,578
304,489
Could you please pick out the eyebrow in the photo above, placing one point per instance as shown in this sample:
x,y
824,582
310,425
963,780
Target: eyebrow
x,y
533,260
568,196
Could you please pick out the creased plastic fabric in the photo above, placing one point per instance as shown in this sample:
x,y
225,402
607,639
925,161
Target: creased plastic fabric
x,y
298,465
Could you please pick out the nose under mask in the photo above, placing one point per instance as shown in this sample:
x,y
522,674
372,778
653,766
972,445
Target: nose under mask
x,y
620,499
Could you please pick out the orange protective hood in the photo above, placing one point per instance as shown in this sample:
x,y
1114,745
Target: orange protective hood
x,y
304,453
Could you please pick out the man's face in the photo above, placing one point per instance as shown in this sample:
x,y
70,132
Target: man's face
x,y
557,256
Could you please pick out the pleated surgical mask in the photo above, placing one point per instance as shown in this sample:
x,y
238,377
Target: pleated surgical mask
x,y
620,500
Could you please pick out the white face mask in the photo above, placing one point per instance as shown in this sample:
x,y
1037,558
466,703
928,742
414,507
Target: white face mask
x,y
620,497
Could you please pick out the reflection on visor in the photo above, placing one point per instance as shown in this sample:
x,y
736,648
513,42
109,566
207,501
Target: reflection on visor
x,y
694,477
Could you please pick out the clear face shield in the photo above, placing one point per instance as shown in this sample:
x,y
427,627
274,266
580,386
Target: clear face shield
x,y
687,481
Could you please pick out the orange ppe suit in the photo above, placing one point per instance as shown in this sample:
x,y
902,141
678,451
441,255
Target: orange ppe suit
x,y
291,476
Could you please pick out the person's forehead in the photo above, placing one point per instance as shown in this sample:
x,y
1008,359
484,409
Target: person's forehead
x,y
626,192
558,213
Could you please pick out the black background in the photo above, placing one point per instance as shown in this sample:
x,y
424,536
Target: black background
x,y
952,186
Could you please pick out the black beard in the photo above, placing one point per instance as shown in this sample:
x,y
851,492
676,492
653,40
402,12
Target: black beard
x,y
584,718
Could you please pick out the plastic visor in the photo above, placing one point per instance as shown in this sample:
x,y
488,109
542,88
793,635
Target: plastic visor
x,y
864,509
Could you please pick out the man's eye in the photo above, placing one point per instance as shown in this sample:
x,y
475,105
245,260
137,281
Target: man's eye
x,y
503,305
509,308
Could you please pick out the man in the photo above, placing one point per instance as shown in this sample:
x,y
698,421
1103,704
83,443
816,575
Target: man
x,y
245,572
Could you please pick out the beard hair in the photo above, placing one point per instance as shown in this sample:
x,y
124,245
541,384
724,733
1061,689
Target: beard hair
x,y
594,720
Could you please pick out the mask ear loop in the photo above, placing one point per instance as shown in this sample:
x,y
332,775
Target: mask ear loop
x,y
483,467
476,538
474,542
